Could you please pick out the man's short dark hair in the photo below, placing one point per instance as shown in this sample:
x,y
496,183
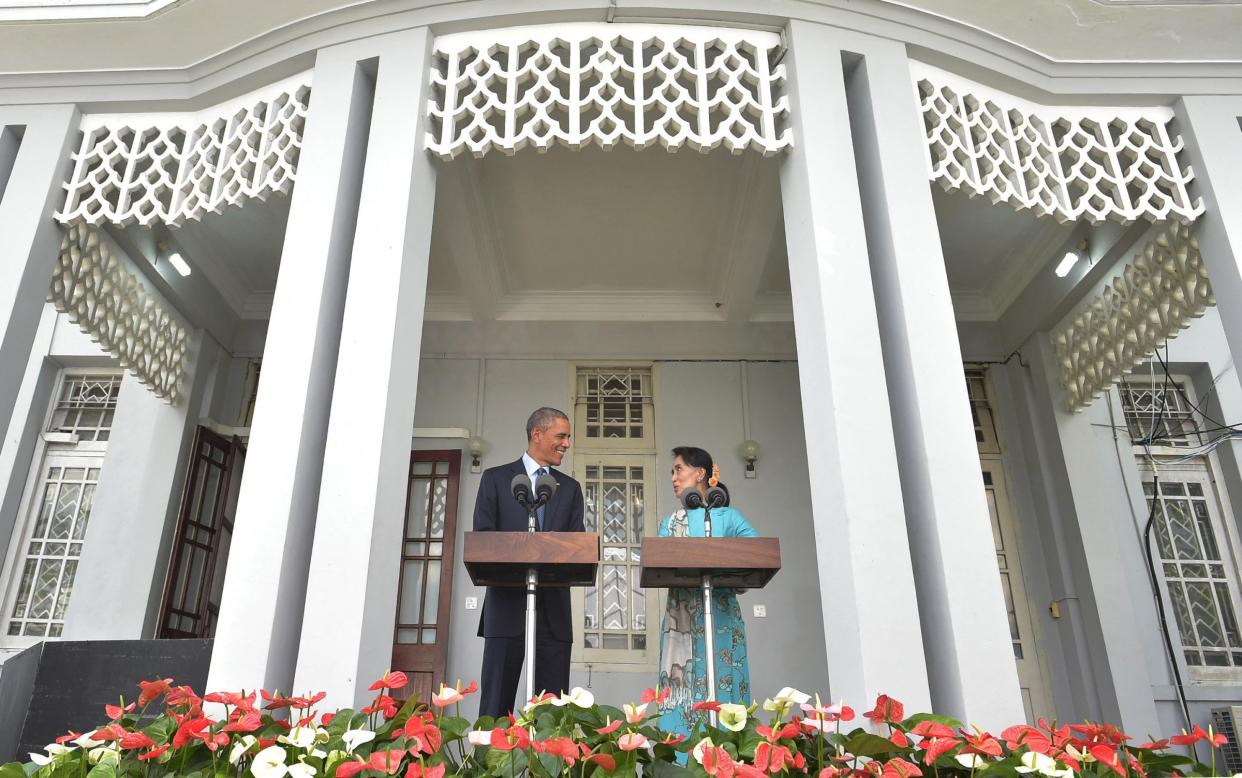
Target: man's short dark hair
x,y
542,418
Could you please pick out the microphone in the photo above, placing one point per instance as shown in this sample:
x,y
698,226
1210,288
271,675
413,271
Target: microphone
x,y
691,499
545,487
520,486
717,497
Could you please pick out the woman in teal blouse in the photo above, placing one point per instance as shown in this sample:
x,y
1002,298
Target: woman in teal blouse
x,y
683,668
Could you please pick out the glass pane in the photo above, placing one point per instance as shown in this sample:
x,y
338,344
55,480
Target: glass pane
x,y
616,596
422,468
439,498
431,611
1203,608
637,521
411,592
415,549
416,519
429,637
435,549
1210,551
616,641
407,636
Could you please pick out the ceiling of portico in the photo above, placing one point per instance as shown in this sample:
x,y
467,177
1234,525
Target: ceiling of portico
x,y
210,34
620,235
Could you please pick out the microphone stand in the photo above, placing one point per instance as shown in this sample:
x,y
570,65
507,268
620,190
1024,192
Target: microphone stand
x,y
532,582
709,637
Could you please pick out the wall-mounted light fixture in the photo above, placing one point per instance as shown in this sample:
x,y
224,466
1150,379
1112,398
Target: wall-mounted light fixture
x,y
174,258
750,454
1070,259
475,448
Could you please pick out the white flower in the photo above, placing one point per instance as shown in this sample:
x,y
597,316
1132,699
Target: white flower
x,y
704,745
1043,764
86,742
732,716
784,700
105,754
53,750
242,745
580,697
356,737
301,770
318,753
269,763
480,737
299,737
970,761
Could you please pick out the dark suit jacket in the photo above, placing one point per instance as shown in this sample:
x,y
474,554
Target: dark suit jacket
x,y
495,509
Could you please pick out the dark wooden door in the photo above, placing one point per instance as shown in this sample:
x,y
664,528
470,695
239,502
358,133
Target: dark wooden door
x,y
425,587
200,552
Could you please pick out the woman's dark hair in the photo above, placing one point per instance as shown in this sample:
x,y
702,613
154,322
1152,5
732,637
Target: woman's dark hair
x,y
697,457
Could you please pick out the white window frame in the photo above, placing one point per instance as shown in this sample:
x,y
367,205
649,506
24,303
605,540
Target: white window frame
x,y
1208,471
630,452
49,448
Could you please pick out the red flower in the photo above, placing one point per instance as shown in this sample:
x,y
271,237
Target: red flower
x,y
711,705
115,711
743,770
932,729
900,768
416,770
244,703
383,704
327,718
1155,745
151,690
1023,735
1196,735
70,735
350,768
136,740
655,695
605,761
393,680
508,739
561,747
899,739
1100,733
179,695
981,743
717,762
672,740
886,711
190,729
610,727
153,753
934,748
248,722
1107,755
109,733
772,758
386,761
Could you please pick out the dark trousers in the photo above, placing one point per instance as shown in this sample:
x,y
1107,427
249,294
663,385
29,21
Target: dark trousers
x,y
502,669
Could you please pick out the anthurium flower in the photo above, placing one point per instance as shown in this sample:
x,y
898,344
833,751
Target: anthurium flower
x,y
785,699
350,768
578,697
356,737
416,770
900,768
299,737
886,711
388,761
154,753
240,747
605,761
715,759
632,741
391,680
269,763
656,695
711,705
673,739
772,758
981,743
301,770
609,727
446,696
248,722
151,690
508,739
131,740
53,750
634,713
480,737
970,761
1035,762
383,704
732,716
1197,734
561,747
116,711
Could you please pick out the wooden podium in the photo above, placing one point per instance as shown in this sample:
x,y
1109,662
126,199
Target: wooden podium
x,y
735,563
504,558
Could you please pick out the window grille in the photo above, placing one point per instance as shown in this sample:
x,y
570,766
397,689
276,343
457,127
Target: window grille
x,y
1159,414
614,403
1195,572
85,406
54,548
615,610
981,412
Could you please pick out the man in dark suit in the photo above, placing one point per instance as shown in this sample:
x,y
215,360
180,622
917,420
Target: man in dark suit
x,y
503,624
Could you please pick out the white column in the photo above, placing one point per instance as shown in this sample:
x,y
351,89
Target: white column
x,y
1108,594
351,599
871,618
261,609
36,169
1210,129
965,622
120,578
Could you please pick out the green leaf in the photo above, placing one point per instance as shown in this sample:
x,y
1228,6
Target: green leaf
x,y
453,727
12,770
668,770
867,744
102,770
935,717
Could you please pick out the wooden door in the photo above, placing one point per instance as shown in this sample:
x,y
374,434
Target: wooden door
x,y
425,585
200,555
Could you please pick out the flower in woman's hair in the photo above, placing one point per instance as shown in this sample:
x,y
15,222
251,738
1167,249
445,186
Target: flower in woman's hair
x,y
715,478
732,716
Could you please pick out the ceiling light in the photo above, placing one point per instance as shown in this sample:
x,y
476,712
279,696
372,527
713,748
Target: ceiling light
x,y
179,264
1067,263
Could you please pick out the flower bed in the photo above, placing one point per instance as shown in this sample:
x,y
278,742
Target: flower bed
x,y
169,730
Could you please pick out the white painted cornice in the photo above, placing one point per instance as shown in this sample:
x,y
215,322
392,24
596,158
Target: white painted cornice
x,y
133,66
80,10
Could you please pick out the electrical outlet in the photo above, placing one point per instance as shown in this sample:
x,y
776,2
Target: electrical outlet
x,y
472,603
761,611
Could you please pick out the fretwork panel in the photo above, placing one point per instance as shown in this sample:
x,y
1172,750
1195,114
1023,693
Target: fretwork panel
x,y
615,613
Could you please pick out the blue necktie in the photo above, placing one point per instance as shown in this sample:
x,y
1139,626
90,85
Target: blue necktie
x,y
539,512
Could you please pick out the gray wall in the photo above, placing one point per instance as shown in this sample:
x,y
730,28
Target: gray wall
x,y
697,402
